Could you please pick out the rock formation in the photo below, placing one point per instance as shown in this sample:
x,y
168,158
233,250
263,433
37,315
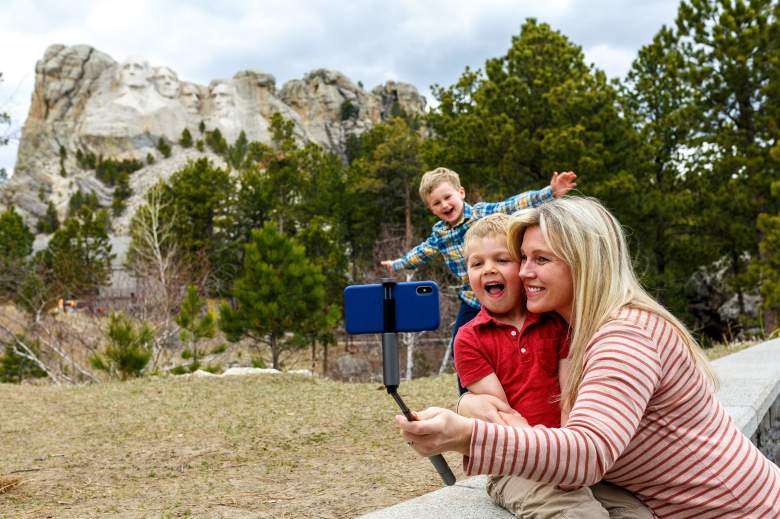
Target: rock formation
x,y
85,102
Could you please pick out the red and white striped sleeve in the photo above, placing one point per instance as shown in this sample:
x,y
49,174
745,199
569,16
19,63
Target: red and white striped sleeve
x,y
622,370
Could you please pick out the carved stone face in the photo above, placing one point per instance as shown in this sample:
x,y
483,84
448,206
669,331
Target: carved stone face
x,y
190,98
134,72
166,81
222,98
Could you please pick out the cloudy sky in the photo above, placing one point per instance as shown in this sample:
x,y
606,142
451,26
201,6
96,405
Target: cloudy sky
x,y
417,41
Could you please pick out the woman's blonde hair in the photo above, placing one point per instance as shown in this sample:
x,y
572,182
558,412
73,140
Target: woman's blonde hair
x,y
588,238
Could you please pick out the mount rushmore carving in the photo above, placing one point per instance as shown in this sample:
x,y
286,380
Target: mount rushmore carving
x,y
85,100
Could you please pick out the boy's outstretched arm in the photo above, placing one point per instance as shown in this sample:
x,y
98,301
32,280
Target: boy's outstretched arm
x,y
562,183
420,254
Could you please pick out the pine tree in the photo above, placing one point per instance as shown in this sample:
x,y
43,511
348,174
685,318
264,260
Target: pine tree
x,y
78,259
278,290
163,147
731,51
186,139
129,348
195,324
50,222
16,242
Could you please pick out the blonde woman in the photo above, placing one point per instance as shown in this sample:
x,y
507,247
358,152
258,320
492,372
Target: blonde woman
x,y
642,409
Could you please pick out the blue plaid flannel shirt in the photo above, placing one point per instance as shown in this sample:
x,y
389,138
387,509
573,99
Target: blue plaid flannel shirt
x,y
448,240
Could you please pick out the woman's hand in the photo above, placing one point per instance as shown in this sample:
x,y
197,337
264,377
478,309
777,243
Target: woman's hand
x,y
436,431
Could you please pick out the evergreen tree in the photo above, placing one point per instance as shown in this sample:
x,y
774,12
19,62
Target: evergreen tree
x,y
16,242
731,51
237,152
665,201
217,142
50,222
78,259
275,294
14,368
186,139
203,198
80,199
387,174
122,192
195,324
129,348
15,237
536,110
325,248
163,147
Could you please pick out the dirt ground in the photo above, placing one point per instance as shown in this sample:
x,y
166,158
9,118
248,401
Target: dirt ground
x,y
263,446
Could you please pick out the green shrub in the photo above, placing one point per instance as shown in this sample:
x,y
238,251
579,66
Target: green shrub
x,y
258,362
14,368
163,147
221,348
186,354
128,350
214,368
186,139
180,370
348,111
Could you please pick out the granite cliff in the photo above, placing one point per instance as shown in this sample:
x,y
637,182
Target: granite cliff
x,y
86,102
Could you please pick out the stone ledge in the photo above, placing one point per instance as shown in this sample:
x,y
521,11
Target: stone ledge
x,y
749,389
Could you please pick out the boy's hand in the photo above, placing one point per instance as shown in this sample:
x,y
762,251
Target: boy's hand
x,y
388,264
513,419
484,407
562,183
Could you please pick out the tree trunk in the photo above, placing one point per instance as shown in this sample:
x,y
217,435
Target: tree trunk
x,y
274,352
313,355
324,359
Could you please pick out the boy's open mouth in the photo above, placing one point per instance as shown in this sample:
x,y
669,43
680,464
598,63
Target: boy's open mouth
x,y
494,288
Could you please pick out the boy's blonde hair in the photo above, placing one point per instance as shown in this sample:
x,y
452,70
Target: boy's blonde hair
x,y
432,179
494,226
590,240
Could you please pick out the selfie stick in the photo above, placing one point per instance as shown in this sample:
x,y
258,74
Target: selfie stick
x,y
391,372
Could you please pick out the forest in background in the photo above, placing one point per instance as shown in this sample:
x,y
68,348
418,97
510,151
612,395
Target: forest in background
x,y
684,150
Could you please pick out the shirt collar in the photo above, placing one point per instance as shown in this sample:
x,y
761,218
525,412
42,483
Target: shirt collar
x,y
483,318
468,211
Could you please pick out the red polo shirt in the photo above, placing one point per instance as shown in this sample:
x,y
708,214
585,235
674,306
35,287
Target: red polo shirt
x,y
525,361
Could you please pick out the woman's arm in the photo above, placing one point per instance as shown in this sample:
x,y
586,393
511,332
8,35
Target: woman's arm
x,y
622,370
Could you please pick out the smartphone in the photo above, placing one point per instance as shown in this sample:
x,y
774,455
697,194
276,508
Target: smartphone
x,y
416,307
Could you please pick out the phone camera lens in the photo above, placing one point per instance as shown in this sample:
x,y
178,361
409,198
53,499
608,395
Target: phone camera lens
x,y
424,290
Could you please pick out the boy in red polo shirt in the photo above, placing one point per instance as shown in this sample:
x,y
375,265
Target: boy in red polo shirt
x,y
513,362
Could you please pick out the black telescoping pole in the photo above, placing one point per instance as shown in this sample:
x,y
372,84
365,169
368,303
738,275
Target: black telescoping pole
x,y
391,372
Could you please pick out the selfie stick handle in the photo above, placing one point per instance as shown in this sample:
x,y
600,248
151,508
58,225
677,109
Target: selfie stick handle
x,y
391,373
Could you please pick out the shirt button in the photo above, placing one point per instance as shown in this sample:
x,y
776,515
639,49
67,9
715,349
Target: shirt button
x,y
522,350
514,332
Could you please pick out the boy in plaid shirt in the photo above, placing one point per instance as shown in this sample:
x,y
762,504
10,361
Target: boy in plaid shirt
x,y
441,191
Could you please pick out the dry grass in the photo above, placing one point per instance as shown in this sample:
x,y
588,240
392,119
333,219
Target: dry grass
x,y
721,350
258,446
267,446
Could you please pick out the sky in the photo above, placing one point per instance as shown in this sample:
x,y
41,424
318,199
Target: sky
x,y
422,42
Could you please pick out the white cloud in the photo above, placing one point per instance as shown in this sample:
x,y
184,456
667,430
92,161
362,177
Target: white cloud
x,y
418,42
